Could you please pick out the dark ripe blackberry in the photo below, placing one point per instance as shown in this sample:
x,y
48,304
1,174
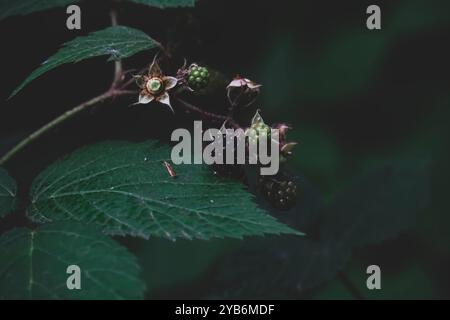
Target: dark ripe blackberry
x,y
279,190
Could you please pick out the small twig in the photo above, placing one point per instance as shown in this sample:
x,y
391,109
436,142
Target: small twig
x,y
118,69
118,74
209,115
113,15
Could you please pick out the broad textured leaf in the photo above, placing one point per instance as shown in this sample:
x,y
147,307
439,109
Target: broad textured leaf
x,y
167,3
33,264
10,8
118,42
379,204
125,188
8,190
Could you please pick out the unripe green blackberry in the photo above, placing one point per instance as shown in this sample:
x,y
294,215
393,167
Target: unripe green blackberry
x,y
198,78
257,130
280,191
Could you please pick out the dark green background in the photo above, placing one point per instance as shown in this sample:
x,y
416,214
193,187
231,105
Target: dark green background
x,y
354,98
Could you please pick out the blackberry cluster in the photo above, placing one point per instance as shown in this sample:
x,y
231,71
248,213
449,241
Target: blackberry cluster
x,y
280,191
198,78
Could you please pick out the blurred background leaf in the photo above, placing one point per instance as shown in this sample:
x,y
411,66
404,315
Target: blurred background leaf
x,y
380,204
173,269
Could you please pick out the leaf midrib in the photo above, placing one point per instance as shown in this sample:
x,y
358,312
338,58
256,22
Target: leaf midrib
x,y
9,192
169,205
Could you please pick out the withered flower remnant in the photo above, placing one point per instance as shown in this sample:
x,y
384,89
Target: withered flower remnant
x,y
242,91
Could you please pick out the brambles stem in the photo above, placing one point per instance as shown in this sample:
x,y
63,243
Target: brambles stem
x,y
118,88
209,115
112,92
65,116
118,70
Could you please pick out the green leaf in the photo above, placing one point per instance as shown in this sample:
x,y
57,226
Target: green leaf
x,y
379,204
125,188
33,264
167,3
10,8
8,190
118,42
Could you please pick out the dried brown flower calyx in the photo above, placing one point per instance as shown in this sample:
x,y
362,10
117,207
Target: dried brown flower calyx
x,y
239,82
155,86
285,147
242,91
